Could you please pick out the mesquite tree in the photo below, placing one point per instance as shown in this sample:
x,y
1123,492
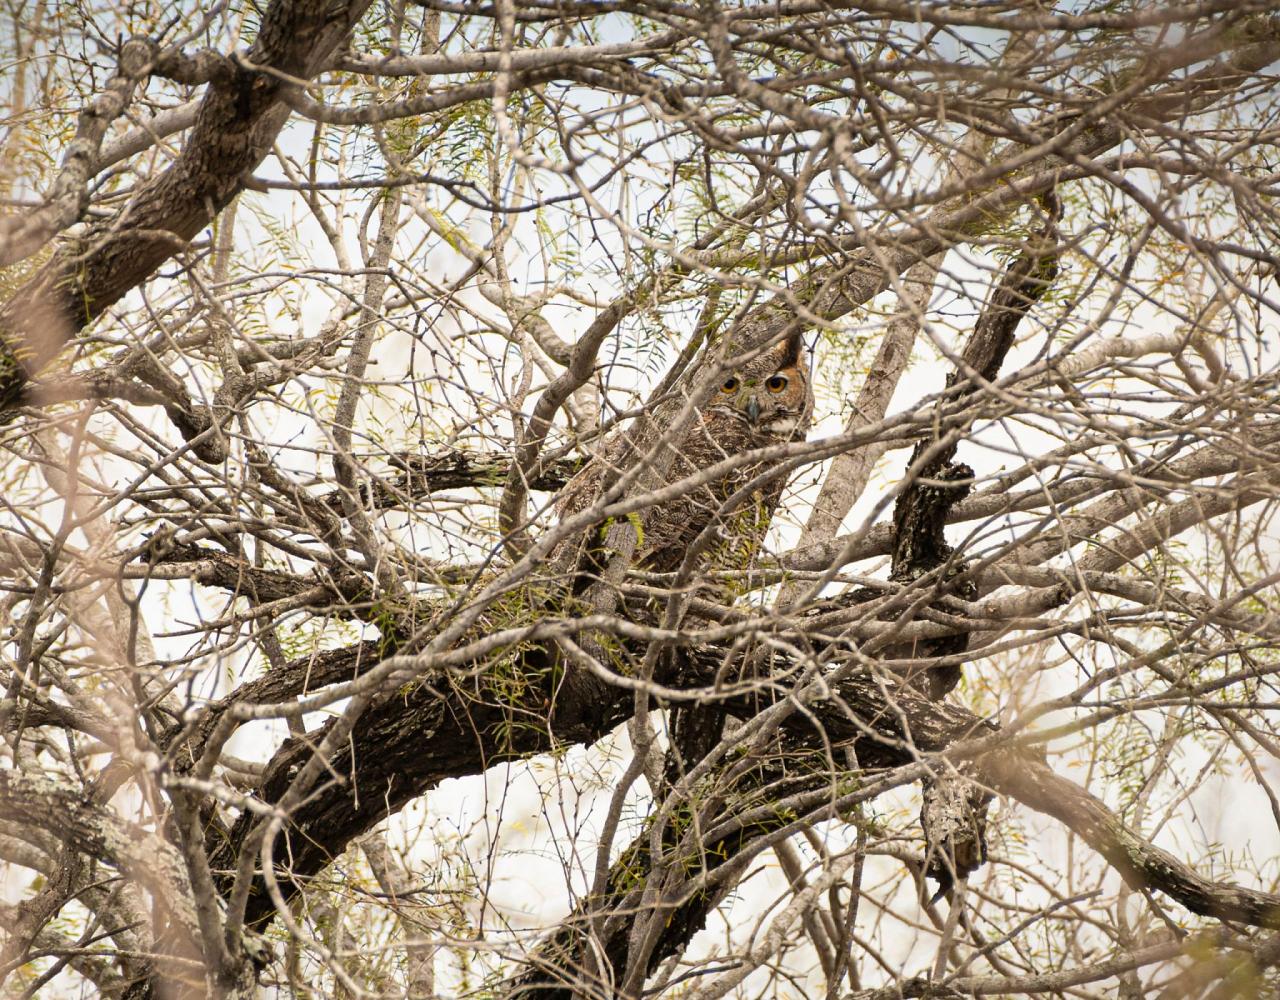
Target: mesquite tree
x,y
309,311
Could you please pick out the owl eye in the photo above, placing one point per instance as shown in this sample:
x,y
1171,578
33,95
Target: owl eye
x,y
776,383
730,385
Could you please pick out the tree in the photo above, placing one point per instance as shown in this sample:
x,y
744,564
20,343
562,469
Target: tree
x,y
309,311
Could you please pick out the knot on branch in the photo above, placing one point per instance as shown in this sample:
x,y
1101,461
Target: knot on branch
x,y
192,422
953,817
136,57
194,69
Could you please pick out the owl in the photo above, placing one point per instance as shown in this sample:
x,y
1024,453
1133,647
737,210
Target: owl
x,y
765,401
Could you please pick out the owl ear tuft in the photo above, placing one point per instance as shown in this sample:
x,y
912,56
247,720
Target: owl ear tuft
x,y
792,351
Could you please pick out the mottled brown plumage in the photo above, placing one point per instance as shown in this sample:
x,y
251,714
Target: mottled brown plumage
x,y
765,401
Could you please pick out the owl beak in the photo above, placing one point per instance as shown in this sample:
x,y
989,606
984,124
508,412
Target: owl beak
x,y
753,410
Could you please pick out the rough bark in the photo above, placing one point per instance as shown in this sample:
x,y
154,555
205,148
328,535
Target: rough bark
x,y
953,813
238,120
887,726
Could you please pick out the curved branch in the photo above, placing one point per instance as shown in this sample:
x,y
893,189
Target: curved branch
x,y
234,130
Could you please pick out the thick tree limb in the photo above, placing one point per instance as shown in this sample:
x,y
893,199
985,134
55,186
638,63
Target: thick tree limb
x,y
953,813
22,235
1143,865
234,129
887,726
406,745
98,832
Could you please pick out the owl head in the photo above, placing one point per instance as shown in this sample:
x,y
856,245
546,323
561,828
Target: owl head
x,y
770,393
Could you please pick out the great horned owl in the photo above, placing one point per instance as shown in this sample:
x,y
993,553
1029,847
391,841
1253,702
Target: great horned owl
x,y
765,401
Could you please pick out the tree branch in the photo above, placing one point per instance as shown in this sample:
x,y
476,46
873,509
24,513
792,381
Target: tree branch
x,y
234,129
